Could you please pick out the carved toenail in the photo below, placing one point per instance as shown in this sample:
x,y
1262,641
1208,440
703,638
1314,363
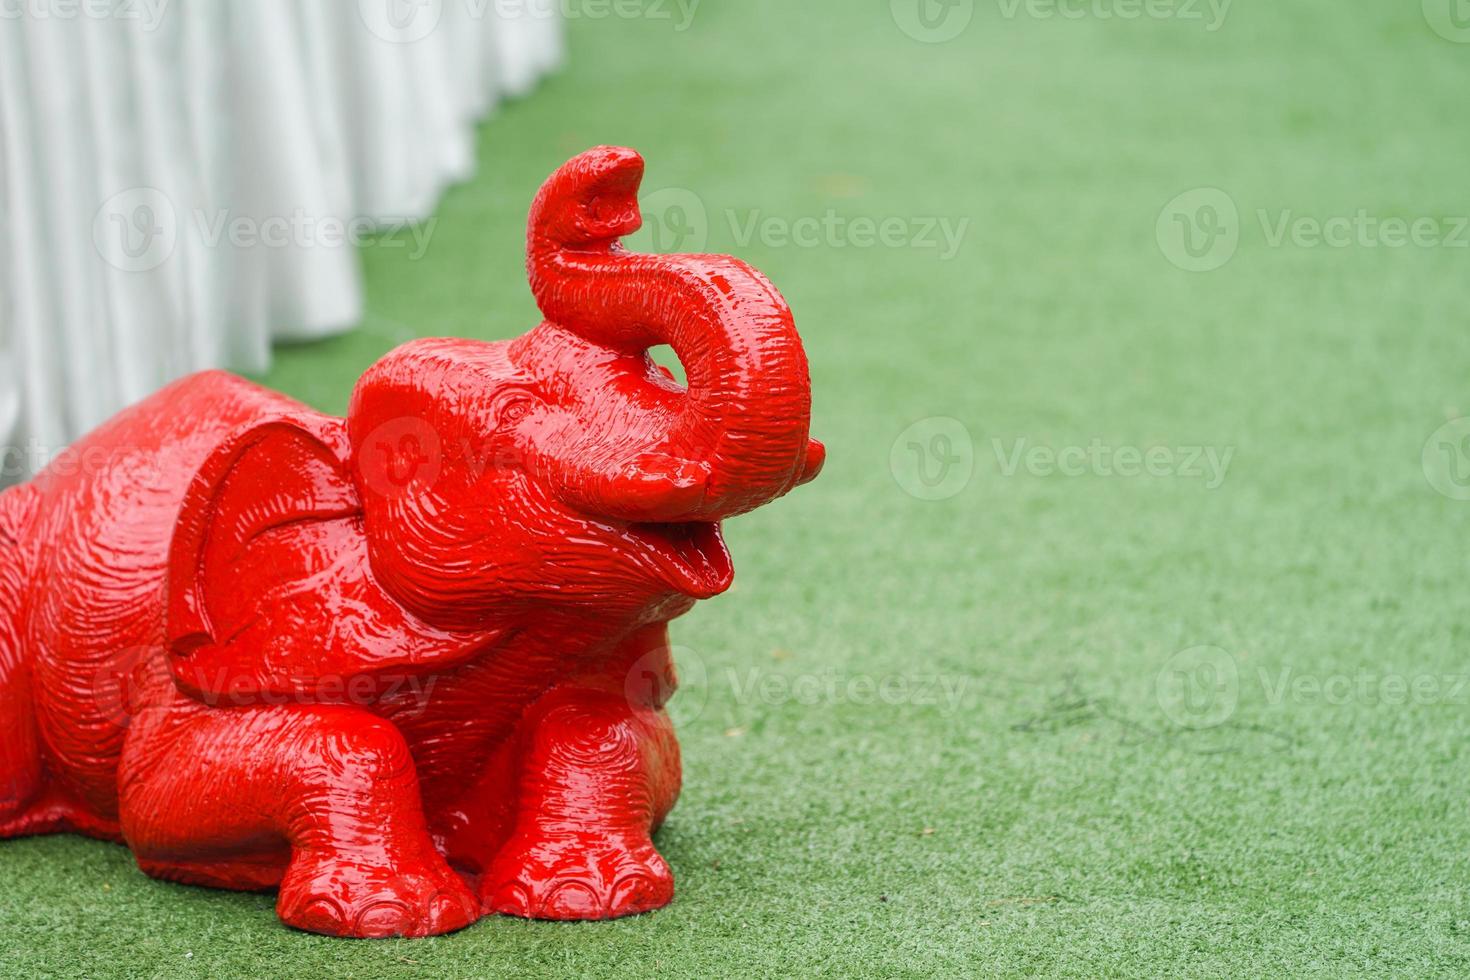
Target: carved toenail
x,y
512,899
573,898
388,917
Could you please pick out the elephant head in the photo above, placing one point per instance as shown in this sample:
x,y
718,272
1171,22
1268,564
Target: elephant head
x,y
476,484
567,463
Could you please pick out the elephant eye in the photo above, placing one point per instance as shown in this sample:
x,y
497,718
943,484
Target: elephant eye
x,y
516,411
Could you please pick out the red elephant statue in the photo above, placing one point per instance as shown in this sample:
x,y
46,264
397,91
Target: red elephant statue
x,y
408,667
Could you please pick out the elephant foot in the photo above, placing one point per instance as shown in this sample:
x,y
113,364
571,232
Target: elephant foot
x,y
582,877
334,895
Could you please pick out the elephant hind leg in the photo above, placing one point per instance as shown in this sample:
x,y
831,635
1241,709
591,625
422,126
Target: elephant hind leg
x,y
20,747
30,803
20,750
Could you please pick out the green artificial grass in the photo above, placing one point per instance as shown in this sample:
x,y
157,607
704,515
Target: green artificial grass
x,y
1066,813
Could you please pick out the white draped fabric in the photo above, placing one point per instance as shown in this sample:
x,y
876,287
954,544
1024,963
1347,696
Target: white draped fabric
x,y
183,181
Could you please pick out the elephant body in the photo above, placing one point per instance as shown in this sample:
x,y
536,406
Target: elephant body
x,y
407,667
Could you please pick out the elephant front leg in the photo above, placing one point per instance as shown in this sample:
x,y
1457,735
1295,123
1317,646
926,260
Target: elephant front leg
x,y
323,800
598,776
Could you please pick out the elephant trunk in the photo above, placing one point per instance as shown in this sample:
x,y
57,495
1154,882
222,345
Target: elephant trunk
x,y
740,438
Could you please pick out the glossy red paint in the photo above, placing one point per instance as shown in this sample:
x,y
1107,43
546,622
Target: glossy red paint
x,y
407,667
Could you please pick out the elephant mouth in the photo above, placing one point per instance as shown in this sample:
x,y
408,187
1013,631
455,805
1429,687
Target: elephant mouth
x,y
690,556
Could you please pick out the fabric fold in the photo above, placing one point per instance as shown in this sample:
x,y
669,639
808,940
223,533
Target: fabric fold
x,y
182,184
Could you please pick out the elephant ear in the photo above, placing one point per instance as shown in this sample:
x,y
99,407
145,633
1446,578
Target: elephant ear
x,y
270,592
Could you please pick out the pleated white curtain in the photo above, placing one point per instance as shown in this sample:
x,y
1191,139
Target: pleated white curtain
x,y
179,179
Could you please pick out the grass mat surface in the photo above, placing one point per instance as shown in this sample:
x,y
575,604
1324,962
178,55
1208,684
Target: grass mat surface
x,y
1125,633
